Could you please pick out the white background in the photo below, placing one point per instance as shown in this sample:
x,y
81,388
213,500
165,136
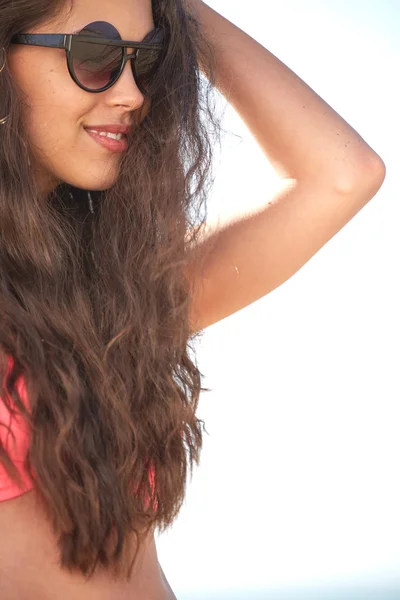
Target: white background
x,y
298,486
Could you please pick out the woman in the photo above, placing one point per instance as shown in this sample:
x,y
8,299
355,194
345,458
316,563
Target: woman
x,y
108,269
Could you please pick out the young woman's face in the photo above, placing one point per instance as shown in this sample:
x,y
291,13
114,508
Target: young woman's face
x,y
57,111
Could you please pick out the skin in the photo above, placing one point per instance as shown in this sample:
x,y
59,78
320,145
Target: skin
x,y
55,113
29,563
56,110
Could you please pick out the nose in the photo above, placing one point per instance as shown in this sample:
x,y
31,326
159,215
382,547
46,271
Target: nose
x,y
125,91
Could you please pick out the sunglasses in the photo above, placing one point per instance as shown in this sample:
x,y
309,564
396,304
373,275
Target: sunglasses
x,y
96,56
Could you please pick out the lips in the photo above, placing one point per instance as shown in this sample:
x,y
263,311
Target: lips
x,y
110,128
109,143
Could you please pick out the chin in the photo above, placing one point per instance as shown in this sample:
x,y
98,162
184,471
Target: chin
x,y
91,182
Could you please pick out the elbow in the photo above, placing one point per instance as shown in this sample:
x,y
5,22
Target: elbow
x,y
370,175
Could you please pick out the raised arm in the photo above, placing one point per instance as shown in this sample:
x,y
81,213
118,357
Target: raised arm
x,y
328,174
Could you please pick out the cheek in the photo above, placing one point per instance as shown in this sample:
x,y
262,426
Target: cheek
x,y
52,103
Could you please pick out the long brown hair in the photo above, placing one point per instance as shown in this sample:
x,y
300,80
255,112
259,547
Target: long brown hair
x,y
102,337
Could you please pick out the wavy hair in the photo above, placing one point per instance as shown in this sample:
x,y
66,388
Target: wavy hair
x,y
94,311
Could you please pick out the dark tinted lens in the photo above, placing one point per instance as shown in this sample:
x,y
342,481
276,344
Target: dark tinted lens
x,y
148,62
96,65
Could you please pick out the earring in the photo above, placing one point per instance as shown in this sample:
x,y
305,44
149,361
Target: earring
x,y
5,119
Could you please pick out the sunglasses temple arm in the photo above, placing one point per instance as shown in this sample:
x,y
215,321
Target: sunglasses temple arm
x,y
51,40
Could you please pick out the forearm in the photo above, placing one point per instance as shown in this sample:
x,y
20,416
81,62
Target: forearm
x,y
301,135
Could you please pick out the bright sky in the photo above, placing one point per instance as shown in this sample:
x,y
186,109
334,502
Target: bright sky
x,y
299,483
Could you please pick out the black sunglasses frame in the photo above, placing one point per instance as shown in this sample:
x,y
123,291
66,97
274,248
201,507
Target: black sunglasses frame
x,y
63,41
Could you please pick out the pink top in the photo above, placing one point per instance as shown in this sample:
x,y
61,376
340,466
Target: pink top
x,y
18,448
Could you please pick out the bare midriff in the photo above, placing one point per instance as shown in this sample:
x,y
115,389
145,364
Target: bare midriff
x,y
30,569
